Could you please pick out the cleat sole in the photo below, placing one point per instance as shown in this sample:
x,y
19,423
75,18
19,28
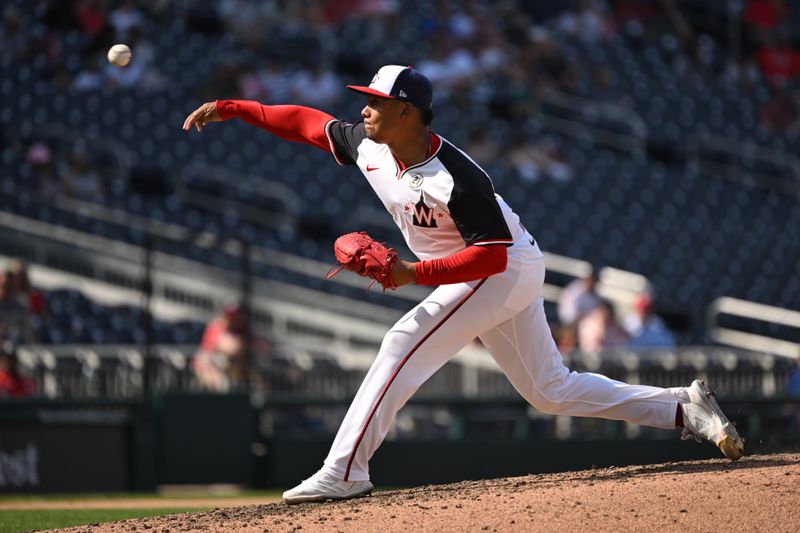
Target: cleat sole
x,y
733,448
326,497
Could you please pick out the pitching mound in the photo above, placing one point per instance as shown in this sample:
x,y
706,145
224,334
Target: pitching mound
x,y
757,493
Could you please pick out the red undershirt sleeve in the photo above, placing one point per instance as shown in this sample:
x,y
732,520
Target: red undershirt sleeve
x,y
290,122
473,262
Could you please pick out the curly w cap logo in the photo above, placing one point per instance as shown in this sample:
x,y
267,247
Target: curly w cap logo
x,y
423,215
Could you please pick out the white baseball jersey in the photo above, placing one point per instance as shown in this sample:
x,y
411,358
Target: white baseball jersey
x,y
441,205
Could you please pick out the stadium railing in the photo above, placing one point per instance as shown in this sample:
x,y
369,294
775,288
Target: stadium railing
x,y
283,199
606,124
753,312
309,368
746,163
278,306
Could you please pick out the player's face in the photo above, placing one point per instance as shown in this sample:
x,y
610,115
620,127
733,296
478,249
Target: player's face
x,y
382,117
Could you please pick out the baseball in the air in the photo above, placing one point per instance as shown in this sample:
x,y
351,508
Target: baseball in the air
x,y
119,55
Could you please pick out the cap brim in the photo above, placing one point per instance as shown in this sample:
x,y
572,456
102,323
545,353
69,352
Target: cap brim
x,y
368,90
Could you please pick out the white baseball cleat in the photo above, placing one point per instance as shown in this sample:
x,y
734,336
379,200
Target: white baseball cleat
x,y
323,486
703,419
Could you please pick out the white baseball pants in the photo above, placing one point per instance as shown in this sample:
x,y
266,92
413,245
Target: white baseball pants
x,y
506,311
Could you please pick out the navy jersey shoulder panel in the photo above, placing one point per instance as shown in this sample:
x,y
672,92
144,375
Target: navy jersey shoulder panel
x,y
344,138
473,206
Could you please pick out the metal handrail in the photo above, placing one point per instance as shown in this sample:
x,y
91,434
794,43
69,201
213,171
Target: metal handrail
x,y
757,312
739,149
635,142
742,148
190,283
225,177
91,369
615,284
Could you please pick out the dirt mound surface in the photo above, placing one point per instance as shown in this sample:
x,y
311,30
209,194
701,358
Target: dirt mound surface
x,y
757,493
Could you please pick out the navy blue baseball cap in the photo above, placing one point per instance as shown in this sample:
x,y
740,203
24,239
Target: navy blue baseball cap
x,y
400,83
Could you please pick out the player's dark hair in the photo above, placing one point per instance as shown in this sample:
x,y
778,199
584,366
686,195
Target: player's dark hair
x,y
427,116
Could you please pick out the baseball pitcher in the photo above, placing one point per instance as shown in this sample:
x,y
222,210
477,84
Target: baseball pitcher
x,y
487,268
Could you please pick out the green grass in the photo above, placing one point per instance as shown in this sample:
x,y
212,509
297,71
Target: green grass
x,y
13,521
16,520
73,497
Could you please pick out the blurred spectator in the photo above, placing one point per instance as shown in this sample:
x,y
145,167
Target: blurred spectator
x,y
267,84
161,10
28,296
90,78
45,178
545,63
791,409
14,42
300,19
490,50
645,327
463,23
793,385
566,337
633,11
315,86
527,159
578,298
588,21
437,21
15,322
126,17
534,160
766,15
99,44
335,12
81,179
12,383
599,329
778,60
17,273
90,16
515,99
220,359
480,146
450,66
248,21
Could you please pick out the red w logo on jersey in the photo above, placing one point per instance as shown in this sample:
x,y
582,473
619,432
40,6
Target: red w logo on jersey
x,y
423,215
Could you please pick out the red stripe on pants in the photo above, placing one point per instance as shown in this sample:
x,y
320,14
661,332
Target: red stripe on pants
x,y
399,367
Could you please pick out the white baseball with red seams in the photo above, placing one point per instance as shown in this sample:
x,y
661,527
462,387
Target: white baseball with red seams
x,y
119,55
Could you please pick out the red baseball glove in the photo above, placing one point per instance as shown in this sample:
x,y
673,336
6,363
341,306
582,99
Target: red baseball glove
x,y
360,253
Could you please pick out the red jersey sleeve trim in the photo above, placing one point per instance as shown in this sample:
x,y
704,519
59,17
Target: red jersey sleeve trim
x,y
289,122
331,148
474,262
506,242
